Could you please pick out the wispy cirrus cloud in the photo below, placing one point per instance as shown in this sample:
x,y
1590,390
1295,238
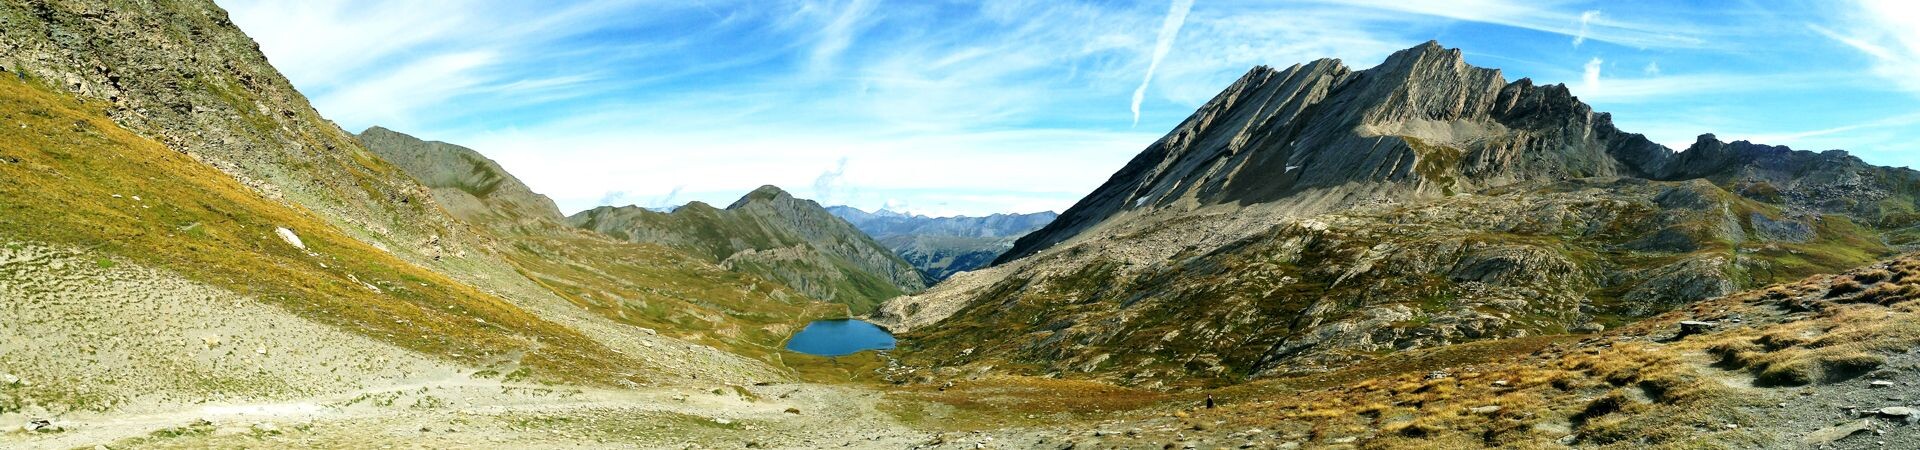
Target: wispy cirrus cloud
x,y
1799,136
1580,24
1169,30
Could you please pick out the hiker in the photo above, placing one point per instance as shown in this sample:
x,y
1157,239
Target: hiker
x,y
1209,401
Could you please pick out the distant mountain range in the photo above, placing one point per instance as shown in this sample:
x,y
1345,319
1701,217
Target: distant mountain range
x,y
942,246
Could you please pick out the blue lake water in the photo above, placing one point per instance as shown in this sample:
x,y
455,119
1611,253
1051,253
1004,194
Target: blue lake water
x,y
840,337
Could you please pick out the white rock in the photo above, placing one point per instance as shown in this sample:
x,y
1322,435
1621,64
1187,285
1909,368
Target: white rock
x,y
292,239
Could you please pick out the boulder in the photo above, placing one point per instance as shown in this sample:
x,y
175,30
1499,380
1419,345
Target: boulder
x,y
1693,327
1837,432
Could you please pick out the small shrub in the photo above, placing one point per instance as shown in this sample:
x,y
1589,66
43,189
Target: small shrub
x,y
1793,372
1779,340
1850,365
1889,293
1844,286
1613,402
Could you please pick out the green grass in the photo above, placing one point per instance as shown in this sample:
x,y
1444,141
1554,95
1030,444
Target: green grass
x,y
65,161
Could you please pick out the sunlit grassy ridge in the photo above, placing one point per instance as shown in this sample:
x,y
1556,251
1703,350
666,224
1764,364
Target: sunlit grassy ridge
x,y
73,177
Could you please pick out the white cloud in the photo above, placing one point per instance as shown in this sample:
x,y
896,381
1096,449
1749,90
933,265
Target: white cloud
x,y
1888,31
394,97
1652,69
828,184
1169,30
1590,77
1586,21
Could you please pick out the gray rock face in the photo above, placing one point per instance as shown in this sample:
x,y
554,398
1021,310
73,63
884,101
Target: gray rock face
x,y
770,233
942,246
1423,123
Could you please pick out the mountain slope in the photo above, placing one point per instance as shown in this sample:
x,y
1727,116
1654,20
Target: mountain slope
x,y
182,74
1311,217
639,284
771,234
942,246
83,188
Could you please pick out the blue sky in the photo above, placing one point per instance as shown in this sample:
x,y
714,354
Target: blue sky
x,y
1019,106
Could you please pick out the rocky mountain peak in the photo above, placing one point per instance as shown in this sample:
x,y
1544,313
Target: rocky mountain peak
x,y
766,193
1424,123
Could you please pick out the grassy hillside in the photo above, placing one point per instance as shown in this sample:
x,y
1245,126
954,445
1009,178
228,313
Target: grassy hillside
x,y
76,178
1319,294
181,73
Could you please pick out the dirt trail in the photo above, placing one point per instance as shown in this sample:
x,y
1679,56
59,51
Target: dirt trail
x,y
479,412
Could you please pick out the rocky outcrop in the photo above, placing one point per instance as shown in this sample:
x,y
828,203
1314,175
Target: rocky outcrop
x,y
770,233
943,246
